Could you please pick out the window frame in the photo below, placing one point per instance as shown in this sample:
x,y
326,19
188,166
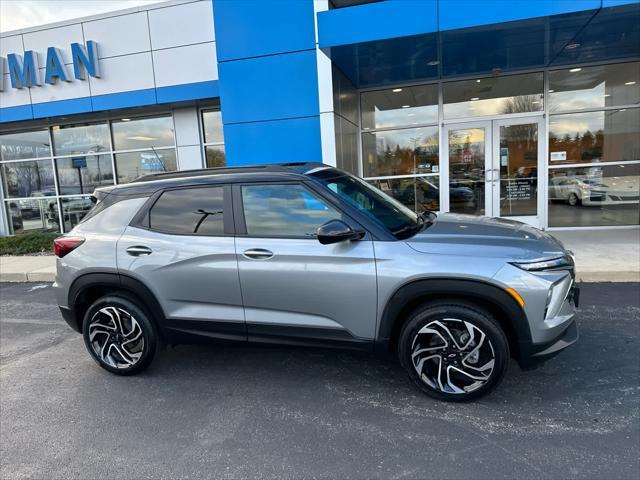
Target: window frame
x,y
142,219
240,222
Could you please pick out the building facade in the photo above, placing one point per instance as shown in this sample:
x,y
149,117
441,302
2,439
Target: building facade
x,y
530,112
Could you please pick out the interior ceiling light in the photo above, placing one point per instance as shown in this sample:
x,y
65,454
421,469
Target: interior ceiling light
x,y
433,63
406,106
474,99
126,119
574,70
551,91
630,83
141,138
572,46
478,81
396,90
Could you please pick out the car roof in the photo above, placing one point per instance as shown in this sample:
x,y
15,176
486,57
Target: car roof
x,y
206,176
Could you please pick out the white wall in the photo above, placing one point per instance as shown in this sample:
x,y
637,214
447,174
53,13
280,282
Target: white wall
x,y
161,45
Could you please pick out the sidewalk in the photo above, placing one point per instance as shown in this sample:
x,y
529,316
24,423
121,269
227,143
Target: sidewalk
x,y
601,256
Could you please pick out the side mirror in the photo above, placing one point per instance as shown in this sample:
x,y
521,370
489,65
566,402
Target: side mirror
x,y
335,231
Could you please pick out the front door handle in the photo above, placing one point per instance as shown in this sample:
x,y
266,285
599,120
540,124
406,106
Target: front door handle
x,y
258,254
138,250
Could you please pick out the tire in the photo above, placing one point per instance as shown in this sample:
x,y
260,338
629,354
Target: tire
x,y
573,200
120,335
426,347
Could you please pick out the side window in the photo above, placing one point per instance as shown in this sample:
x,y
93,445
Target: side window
x,y
189,211
284,210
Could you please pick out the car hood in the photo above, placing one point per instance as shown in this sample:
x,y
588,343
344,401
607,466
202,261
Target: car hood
x,y
455,234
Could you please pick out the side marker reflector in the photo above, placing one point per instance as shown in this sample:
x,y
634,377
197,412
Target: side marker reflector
x,y
517,296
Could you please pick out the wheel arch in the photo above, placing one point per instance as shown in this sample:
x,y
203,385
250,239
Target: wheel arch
x,y
496,301
87,288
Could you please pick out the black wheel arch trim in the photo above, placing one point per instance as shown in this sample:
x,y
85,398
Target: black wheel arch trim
x,y
413,293
119,282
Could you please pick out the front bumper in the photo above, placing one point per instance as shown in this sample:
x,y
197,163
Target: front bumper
x,y
532,355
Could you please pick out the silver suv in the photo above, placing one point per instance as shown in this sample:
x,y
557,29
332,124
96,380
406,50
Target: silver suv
x,y
305,254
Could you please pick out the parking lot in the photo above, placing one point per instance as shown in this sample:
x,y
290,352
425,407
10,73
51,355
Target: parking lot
x,y
275,412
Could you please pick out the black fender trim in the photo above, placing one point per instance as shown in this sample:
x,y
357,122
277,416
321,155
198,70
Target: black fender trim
x,y
115,282
500,303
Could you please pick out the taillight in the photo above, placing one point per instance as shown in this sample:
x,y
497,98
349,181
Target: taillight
x,y
64,245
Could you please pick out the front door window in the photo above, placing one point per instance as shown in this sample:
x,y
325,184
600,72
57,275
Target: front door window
x,y
467,163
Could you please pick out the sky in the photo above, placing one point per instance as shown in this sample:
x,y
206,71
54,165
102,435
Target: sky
x,y
16,14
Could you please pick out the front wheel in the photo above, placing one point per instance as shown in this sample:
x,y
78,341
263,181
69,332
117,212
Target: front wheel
x,y
119,335
453,352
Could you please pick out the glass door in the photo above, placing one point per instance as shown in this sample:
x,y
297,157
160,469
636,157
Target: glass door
x,y
467,163
516,164
492,168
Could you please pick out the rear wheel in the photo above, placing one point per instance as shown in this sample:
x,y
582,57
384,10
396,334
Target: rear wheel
x,y
119,335
453,352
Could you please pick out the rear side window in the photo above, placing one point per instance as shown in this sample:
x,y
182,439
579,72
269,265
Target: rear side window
x,y
284,210
189,211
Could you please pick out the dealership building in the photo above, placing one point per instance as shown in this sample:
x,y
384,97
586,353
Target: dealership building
x,y
527,110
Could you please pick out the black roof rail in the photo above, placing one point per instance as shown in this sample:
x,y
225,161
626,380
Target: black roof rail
x,y
297,167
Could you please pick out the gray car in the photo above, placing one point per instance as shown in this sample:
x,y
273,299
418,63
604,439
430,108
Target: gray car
x,y
306,254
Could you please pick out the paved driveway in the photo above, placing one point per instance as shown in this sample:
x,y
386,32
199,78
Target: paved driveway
x,y
232,412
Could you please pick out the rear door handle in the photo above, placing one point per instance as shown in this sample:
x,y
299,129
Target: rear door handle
x,y
138,250
258,254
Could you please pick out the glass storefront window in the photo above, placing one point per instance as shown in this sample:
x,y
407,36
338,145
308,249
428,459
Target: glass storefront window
x,y
400,152
417,193
32,214
33,144
399,107
215,156
594,196
493,96
605,136
74,209
594,87
70,139
136,164
84,173
134,133
32,178
212,126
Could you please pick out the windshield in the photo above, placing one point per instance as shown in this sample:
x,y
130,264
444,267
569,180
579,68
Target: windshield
x,y
377,205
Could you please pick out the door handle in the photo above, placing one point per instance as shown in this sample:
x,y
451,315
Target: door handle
x,y
496,177
138,250
258,254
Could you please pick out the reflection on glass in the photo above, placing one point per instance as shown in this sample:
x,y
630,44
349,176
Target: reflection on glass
x,y
28,179
137,164
519,170
32,215
129,134
466,171
72,139
84,173
594,87
608,136
73,209
16,146
215,156
284,210
399,107
417,193
400,152
493,96
591,196
212,125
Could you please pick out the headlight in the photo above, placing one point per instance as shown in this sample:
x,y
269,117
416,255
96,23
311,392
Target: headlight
x,y
551,264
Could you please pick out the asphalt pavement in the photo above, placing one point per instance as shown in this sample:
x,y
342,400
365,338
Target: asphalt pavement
x,y
276,412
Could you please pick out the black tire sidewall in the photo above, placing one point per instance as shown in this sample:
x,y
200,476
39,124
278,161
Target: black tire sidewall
x,y
483,320
149,332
